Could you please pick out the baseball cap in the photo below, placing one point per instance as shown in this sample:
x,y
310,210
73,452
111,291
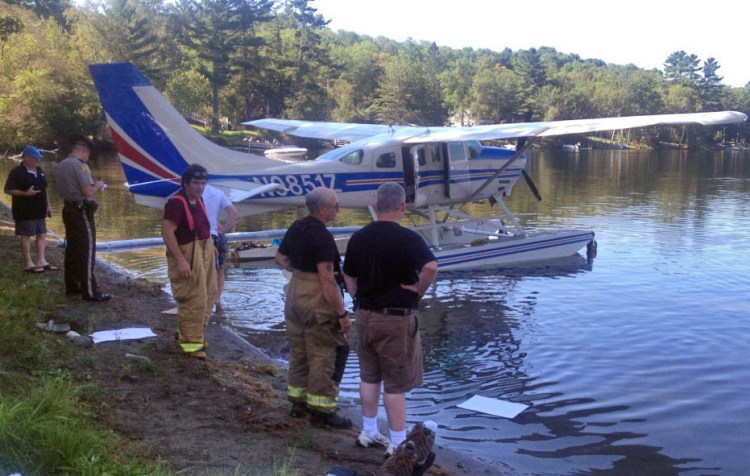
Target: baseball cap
x,y
32,151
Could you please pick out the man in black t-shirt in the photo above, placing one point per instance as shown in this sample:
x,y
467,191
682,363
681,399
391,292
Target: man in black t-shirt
x,y
387,270
314,313
27,184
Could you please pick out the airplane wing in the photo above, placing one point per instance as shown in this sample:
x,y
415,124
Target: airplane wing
x,y
417,134
326,130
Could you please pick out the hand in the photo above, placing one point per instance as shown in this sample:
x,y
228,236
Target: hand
x,y
183,267
411,287
32,191
345,323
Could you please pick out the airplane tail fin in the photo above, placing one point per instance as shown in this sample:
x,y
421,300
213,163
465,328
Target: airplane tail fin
x,y
154,141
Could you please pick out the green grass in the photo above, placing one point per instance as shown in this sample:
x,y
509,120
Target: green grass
x,y
45,425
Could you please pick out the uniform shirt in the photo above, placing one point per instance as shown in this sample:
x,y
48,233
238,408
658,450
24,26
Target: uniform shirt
x,y
382,256
28,208
308,242
174,211
215,201
72,174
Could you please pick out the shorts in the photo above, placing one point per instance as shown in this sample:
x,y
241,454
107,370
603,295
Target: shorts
x,y
390,351
31,227
220,243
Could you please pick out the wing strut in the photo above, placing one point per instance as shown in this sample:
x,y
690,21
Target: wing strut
x,y
523,144
531,185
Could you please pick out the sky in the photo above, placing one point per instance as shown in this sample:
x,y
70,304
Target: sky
x,y
639,32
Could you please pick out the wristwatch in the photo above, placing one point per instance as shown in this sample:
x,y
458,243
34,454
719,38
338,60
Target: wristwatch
x,y
341,316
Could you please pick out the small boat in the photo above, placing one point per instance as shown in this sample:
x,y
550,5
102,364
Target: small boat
x,y
286,153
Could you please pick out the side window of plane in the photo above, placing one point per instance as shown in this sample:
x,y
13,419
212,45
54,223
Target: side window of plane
x,y
435,153
456,151
353,158
386,160
419,155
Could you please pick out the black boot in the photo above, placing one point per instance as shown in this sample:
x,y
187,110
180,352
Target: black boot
x,y
331,420
299,409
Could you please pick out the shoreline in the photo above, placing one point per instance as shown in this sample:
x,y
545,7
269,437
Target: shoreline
x,y
224,415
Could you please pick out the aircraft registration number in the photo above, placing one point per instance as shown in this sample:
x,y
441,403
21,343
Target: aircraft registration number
x,y
296,185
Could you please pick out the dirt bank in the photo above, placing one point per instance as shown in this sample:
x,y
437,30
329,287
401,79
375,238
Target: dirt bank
x,y
225,415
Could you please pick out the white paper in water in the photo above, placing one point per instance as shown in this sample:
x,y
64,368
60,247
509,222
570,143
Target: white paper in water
x,y
493,406
129,333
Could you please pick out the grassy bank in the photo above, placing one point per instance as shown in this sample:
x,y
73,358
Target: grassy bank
x,y
47,422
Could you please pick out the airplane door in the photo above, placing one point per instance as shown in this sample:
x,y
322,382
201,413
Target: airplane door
x,y
410,174
459,179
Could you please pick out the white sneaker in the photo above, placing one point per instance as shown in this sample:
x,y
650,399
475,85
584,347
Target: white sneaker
x,y
365,439
390,449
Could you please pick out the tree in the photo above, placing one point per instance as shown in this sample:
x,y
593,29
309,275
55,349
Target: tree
x,y
311,66
354,91
407,95
529,66
54,9
214,30
709,86
496,94
134,31
682,68
456,82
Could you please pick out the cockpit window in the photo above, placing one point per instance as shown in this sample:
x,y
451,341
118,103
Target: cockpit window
x,y
387,160
475,148
353,158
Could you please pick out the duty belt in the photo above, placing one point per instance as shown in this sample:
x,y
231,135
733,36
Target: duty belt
x,y
391,311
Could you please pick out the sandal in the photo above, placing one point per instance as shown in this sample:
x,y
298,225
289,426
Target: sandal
x,y
50,267
34,269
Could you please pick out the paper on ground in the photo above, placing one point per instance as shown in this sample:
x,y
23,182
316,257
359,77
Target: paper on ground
x,y
171,312
122,334
493,406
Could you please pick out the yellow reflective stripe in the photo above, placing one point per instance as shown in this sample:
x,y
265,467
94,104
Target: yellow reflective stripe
x,y
295,392
191,346
321,401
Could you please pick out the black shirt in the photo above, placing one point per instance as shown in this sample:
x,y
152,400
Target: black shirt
x,y
308,242
382,256
28,208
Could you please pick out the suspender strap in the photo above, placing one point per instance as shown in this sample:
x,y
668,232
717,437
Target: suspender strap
x,y
189,214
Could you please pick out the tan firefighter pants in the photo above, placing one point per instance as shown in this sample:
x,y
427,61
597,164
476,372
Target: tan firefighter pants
x,y
315,338
195,296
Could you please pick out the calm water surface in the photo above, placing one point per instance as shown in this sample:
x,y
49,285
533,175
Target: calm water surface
x,y
633,363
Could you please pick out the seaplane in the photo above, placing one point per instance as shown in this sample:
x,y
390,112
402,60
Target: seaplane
x,y
441,168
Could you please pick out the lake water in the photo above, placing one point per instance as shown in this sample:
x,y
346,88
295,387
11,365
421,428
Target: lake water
x,y
633,363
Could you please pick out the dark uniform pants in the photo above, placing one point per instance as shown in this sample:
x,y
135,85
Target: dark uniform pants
x,y
315,342
80,249
195,296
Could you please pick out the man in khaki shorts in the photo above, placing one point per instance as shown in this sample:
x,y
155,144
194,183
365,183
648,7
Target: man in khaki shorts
x,y
387,270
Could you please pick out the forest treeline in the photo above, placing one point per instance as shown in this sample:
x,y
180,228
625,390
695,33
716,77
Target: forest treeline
x,y
246,59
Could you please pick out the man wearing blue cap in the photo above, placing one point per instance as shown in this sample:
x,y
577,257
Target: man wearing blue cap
x,y
27,184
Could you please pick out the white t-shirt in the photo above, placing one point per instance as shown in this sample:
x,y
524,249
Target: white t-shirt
x,y
215,201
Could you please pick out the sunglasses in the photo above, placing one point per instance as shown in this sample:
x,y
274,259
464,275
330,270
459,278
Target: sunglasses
x,y
199,176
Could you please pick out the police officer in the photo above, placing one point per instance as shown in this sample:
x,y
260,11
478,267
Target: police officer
x,y
315,316
77,189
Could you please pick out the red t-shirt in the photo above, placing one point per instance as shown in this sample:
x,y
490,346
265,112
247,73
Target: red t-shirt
x,y
174,211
